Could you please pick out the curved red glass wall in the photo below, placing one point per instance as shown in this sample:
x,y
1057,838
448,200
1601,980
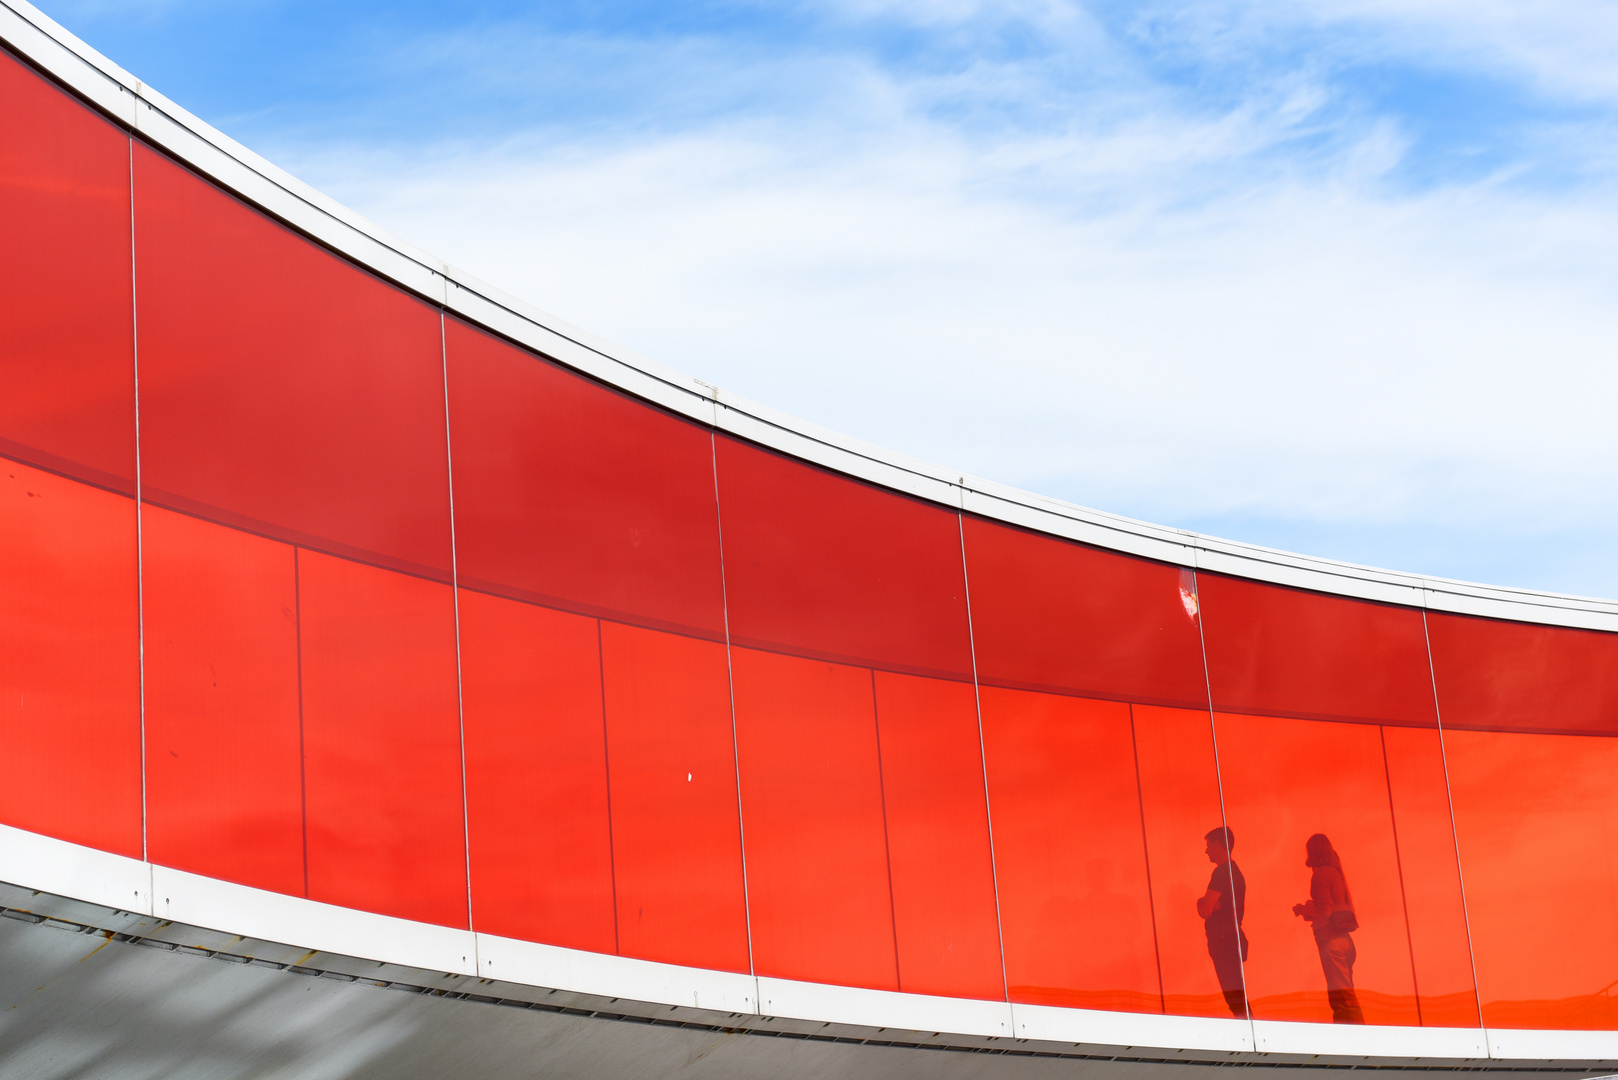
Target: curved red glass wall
x,y
384,611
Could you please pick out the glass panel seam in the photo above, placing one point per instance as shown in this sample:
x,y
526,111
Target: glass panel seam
x,y
983,757
455,603
606,784
1399,866
303,754
1146,856
1219,781
887,840
1454,832
730,677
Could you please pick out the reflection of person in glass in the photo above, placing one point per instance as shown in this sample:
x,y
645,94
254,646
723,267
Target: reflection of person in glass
x,y
1330,912
1222,909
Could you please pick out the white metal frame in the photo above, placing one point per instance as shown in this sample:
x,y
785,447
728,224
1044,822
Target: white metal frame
x,y
98,877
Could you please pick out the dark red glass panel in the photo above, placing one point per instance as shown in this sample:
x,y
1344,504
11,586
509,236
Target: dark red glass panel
x,y
817,865
223,741
1537,819
676,839
1509,676
536,773
938,837
1049,614
1179,785
69,661
1069,851
821,565
282,389
1286,652
381,741
573,495
67,364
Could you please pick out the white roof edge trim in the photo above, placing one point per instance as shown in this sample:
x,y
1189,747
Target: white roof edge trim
x,y
61,868
34,35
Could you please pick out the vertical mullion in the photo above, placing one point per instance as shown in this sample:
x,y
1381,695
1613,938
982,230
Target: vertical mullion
x,y
140,562
730,675
1219,780
1454,832
983,756
455,598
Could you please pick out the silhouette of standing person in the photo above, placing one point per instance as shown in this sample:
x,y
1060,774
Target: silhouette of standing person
x,y
1330,912
1222,908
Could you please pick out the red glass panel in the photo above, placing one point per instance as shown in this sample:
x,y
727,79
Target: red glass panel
x,y
1052,615
223,741
1535,813
1537,818
381,741
1286,652
577,496
1179,787
821,565
1434,905
938,837
1311,659
1506,676
69,645
67,365
1049,614
1069,851
676,839
1286,780
282,389
69,661
817,865
536,774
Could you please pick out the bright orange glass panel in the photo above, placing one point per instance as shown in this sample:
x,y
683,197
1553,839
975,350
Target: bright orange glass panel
x,y
1069,852
1179,787
938,837
381,741
676,837
69,661
282,389
574,495
1537,818
223,740
817,864
1049,614
536,774
67,364
818,564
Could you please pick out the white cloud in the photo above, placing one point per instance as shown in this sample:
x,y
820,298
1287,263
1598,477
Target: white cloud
x,y
1565,47
1144,308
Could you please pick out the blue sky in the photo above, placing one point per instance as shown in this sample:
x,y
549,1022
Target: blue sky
x,y
1334,276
